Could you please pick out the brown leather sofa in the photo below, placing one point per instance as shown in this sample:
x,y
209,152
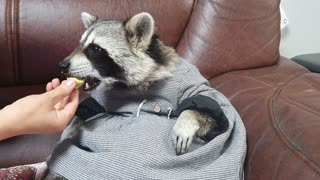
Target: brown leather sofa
x,y
234,43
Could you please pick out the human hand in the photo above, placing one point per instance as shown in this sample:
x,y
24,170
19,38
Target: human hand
x,y
45,113
55,83
52,85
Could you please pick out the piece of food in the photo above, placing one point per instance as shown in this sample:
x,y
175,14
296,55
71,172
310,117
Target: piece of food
x,y
79,82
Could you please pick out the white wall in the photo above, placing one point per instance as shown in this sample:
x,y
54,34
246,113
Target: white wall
x,y
302,35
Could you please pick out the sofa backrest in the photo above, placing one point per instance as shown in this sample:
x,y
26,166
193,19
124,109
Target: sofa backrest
x,y
217,36
36,34
229,35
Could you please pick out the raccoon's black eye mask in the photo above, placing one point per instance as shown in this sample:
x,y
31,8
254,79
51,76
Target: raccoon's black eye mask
x,y
95,51
101,60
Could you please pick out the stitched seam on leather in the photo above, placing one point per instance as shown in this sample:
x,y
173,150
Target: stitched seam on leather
x,y
8,30
276,12
252,78
249,160
267,43
260,81
188,21
12,11
298,75
300,105
243,91
311,82
15,37
237,78
246,68
283,138
309,162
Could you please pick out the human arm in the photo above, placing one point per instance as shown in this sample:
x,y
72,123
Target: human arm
x,y
45,113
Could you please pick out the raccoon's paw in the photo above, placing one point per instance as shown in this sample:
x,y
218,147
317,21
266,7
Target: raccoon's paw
x,y
184,130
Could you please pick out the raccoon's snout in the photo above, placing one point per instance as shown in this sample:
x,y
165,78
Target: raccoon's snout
x,y
64,66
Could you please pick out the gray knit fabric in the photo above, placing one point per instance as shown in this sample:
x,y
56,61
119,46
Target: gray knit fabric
x,y
124,146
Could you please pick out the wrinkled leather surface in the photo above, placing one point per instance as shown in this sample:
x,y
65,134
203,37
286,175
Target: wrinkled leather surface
x,y
280,109
229,35
6,60
12,93
26,149
235,44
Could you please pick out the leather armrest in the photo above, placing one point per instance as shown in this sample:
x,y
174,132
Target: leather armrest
x,y
26,149
309,61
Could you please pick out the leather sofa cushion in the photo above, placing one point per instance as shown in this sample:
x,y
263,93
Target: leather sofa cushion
x,y
280,109
26,149
12,93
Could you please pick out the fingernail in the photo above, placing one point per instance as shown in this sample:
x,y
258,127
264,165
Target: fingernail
x,y
70,82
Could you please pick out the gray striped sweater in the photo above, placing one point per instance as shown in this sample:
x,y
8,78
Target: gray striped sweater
x,y
120,145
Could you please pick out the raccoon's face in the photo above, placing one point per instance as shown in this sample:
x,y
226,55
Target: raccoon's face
x,y
112,51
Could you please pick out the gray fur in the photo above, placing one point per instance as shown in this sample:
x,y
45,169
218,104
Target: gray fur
x,y
139,30
127,44
190,123
88,19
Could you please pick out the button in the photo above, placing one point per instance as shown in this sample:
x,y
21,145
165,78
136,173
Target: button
x,y
157,108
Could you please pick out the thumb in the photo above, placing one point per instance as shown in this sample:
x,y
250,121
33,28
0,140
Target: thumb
x,y
70,108
62,91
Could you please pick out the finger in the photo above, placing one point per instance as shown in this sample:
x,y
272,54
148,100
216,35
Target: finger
x,y
60,92
55,83
61,104
73,98
70,108
49,86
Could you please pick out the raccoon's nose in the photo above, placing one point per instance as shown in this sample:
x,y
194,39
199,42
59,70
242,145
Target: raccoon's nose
x,y
64,66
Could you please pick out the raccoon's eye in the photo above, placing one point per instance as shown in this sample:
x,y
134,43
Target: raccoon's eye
x,y
94,49
95,53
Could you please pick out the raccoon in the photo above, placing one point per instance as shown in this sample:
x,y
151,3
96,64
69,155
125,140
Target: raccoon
x,y
124,58
130,53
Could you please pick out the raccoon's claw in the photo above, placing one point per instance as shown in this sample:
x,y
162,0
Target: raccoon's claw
x,y
181,146
183,133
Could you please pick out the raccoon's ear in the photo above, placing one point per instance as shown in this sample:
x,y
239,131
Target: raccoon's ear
x,y
88,19
140,29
